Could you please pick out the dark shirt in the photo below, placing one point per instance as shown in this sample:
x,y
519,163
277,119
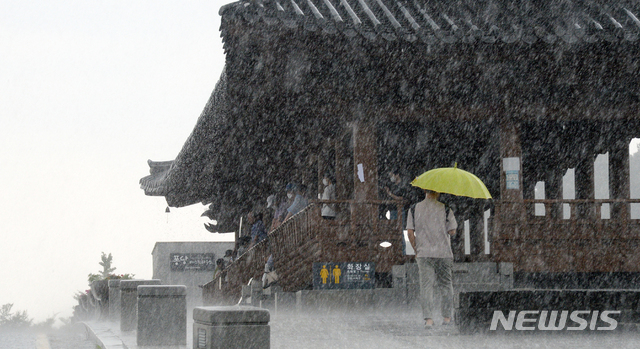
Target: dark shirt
x,y
258,231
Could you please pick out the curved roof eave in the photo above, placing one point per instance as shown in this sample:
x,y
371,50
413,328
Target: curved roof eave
x,y
177,180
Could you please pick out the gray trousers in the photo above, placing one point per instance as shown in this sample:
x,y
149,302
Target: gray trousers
x,y
435,273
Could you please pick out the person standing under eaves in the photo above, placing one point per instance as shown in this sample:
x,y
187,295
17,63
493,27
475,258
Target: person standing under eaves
x,y
299,202
329,193
258,230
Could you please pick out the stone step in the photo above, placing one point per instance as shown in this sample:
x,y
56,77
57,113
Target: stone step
x,y
533,310
551,299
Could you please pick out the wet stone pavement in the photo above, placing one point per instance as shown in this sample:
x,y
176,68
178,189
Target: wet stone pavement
x,y
402,328
17,339
68,338
389,327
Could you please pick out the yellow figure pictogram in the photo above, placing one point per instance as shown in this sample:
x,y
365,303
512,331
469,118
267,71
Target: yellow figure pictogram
x,y
336,274
324,274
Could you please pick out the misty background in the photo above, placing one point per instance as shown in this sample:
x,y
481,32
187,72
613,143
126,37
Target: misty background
x,y
89,90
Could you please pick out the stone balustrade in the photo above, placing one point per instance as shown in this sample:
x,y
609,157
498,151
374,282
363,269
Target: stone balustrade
x,y
162,315
231,327
129,302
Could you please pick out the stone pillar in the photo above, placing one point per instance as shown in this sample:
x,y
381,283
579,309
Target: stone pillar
x,y
162,315
100,292
114,300
235,327
129,302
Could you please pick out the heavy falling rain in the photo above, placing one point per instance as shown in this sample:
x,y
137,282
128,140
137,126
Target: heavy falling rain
x,y
385,174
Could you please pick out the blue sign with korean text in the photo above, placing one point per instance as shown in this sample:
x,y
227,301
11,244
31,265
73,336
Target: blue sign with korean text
x,y
347,275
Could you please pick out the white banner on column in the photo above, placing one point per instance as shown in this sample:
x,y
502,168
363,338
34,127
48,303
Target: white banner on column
x,y
487,214
467,238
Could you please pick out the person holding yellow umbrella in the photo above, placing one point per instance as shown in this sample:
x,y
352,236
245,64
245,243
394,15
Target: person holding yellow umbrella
x,y
430,226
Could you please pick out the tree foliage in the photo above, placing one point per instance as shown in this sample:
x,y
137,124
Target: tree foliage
x,y
9,319
107,270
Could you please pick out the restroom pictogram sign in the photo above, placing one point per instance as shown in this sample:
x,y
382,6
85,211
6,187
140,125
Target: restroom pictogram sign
x,y
346,275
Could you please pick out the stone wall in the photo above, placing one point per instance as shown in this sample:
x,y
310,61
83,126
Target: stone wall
x,y
190,278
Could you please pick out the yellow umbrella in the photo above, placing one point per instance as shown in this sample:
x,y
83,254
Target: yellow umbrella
x,y
452,180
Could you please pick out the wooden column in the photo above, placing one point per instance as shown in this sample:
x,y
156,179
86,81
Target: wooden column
x,y
344,161
572,207
365,164
325,163
509,219
322,163
585,187
619,178
553,190
365,175
512,208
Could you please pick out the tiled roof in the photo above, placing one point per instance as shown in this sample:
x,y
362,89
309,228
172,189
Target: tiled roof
x,y
189,178
464,21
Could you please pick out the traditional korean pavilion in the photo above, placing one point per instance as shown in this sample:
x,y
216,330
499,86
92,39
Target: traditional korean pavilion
x,y
516,92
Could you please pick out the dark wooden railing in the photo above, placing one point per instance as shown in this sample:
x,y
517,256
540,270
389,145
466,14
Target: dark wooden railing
x,y
583,213
582,242
307,238
580,208
292,235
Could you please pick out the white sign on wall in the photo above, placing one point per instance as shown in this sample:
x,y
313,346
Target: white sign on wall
x,y
511,167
